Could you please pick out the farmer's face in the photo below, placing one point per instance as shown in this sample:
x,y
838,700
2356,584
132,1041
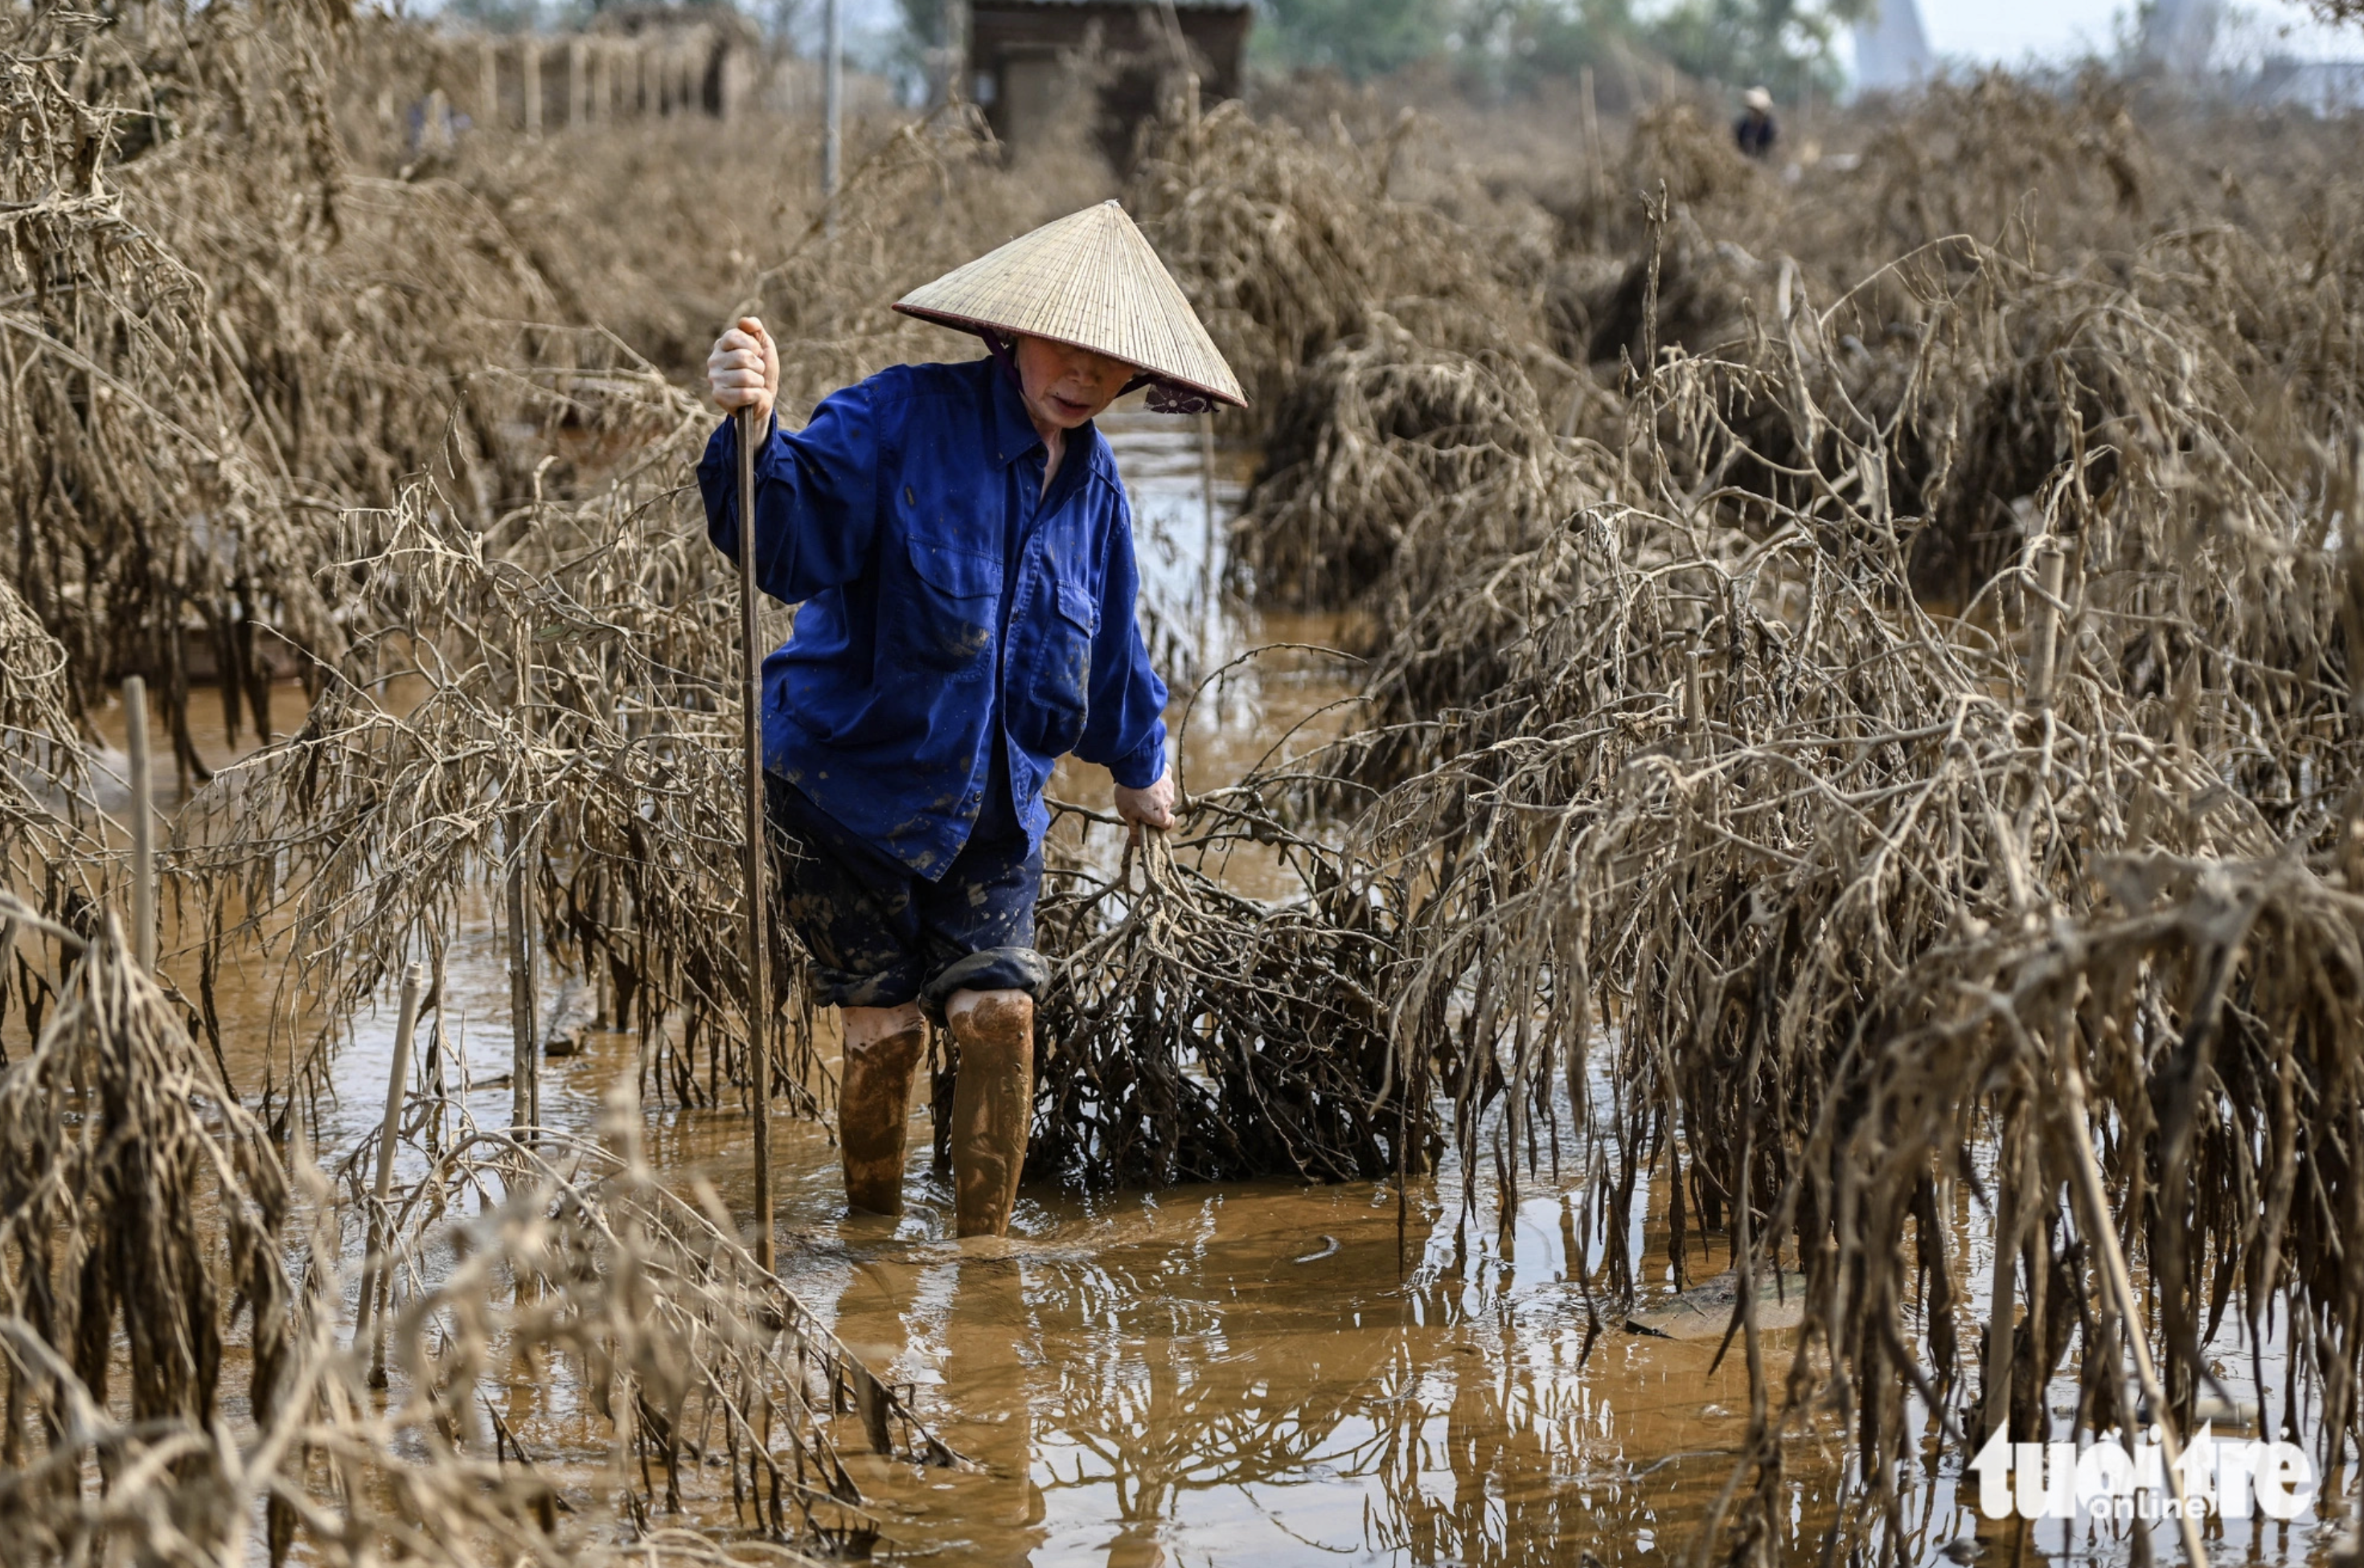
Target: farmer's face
x,y
1065,387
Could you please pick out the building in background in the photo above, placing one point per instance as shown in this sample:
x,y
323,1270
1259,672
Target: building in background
x,y
1891,49
1028,60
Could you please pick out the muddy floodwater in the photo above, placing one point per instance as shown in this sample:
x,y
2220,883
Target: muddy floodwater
x,y
1266,1374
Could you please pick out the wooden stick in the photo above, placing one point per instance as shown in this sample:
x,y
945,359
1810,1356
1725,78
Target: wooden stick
x,y
525,1059
144,826
438,1047
2044,626
397,1081
1694,696
759,987
2102,1232
2001,1285
1206,518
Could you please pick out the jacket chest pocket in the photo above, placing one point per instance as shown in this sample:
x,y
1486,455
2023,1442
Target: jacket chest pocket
x,y
952,596
1063,665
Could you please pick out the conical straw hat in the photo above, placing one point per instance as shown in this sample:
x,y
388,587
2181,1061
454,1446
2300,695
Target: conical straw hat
x,y
1091,280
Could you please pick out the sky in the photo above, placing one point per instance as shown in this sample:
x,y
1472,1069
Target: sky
x,y
2005,31
2010,31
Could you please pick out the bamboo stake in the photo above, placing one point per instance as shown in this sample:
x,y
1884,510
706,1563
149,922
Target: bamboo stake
x,y
2003,1284
389,1129
2043,625
1694,697
759,988
439,1050
2120,1281
524,1060
143,825
1207,546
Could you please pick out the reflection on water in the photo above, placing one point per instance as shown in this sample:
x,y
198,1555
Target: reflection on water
x,y
1261,1372
1248,1374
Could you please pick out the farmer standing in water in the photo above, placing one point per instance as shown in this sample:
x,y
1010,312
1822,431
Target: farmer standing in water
x,y
962,551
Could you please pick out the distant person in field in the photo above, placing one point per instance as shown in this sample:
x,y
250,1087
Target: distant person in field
x,y
1755,130
962,547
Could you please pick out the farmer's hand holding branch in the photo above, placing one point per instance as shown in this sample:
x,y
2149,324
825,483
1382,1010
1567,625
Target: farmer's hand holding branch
x,y
1151,807
744,368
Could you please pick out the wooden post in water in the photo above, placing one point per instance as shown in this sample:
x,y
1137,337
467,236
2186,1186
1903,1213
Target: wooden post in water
x,y
1207,518
436,1079
2002,1287
389,1130
758,963
2101,1232
1207,487
525,1070
143,825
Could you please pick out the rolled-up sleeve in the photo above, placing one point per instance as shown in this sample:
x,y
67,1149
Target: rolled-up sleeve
x,y
816,497
1125,727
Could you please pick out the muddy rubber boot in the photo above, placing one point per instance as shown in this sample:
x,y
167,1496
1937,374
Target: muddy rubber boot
x,y
874,1106
993,1108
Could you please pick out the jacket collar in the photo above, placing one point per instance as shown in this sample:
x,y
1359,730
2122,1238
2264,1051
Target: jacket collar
x,y
1014,431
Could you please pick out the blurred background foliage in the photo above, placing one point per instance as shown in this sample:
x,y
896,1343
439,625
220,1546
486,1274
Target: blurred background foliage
x,y
1492,48
1501,47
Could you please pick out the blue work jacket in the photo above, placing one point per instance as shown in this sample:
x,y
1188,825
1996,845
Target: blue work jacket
x,y
886,517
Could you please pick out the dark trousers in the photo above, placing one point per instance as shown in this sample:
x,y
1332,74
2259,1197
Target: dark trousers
x,y
882,935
